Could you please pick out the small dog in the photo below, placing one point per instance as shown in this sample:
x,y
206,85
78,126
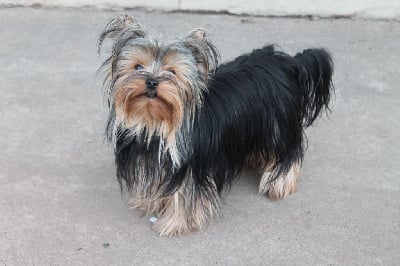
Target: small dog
x,y
183,126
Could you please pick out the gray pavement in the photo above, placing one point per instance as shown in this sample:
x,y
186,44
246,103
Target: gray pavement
x,y
60,203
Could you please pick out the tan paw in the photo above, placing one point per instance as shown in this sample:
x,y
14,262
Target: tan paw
x,y
282,185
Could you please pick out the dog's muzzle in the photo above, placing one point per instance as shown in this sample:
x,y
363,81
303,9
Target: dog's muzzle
x,y
151,87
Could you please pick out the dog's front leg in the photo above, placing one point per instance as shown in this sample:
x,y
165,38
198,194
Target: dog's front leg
x,y
188,209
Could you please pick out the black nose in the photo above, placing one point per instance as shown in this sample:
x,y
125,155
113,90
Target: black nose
x,y
151,84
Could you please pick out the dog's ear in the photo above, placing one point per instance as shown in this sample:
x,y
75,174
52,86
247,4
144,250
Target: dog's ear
x,y
204,52
120,30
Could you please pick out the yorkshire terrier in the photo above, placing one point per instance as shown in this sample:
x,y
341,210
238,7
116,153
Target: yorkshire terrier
x,y
183,126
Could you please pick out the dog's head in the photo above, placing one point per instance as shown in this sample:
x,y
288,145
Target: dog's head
x,y
153,84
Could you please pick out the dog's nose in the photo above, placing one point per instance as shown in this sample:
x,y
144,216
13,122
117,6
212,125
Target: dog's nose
x,y
151,84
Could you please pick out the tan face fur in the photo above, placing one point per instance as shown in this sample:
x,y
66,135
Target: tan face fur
x,y
180,68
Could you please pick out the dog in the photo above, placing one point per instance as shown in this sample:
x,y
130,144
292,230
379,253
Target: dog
x,y
183,126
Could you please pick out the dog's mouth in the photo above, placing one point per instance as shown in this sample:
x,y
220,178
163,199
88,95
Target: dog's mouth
x,y
148,104
151,94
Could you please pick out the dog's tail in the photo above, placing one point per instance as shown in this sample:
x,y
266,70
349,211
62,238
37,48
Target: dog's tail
x,y
315,81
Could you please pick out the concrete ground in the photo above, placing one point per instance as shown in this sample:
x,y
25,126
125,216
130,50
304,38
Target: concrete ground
x,y
60,203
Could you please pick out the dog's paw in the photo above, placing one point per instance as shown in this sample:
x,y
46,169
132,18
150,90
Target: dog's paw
x,y
282,186
173,226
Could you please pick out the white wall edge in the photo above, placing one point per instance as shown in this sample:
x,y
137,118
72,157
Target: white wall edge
x,y
372,9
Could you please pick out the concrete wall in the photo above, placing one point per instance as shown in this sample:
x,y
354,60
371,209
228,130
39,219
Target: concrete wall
x,y
381,9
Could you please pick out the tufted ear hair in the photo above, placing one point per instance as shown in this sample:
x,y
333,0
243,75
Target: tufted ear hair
x,y
204,52
120,30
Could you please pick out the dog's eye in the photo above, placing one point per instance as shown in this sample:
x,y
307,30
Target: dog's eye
x,y
171,71
139,67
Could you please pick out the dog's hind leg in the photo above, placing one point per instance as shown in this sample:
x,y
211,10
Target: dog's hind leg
x,y
282,186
